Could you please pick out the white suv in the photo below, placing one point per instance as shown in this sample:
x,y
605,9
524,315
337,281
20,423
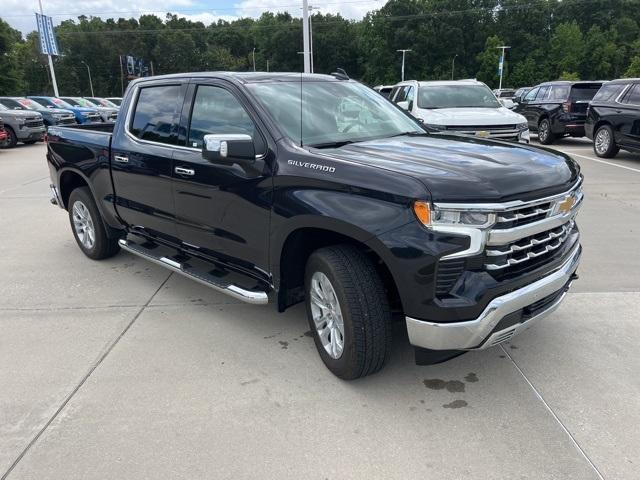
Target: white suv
x,y
462,106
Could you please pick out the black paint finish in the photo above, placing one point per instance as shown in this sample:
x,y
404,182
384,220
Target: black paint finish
x,y
242,215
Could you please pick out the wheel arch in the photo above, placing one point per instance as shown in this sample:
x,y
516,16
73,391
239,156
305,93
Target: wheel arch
x,y
298,244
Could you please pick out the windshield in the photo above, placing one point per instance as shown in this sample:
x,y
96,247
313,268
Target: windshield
x,y
58,102
11,104
103,102
456,96
30,104
116,101
332,112
83,102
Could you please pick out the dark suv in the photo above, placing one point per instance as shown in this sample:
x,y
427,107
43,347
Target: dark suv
x,y
613,118
556,109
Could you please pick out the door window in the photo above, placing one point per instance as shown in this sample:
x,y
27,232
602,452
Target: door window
x,y
410,95
217,111
532,94
156,114
633,95
542,93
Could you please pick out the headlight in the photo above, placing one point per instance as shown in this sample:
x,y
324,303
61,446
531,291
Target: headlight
x,y
523,126
85,114
467,218
58,116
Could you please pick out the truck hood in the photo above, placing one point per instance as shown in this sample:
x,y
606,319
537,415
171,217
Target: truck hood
x,y
470,116
458,168
20,114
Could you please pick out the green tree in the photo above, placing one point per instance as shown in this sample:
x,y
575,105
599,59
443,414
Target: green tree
x,y
567,48
488,60
634,68
11,72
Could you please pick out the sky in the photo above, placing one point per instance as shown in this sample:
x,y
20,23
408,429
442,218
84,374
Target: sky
x,y
20,13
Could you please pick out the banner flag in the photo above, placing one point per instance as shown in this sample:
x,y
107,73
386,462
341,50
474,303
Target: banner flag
x,y
48,43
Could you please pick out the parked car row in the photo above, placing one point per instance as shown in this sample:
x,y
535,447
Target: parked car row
x,y
26,119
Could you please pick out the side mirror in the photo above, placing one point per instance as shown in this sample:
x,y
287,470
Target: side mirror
x,y
404,105
228,148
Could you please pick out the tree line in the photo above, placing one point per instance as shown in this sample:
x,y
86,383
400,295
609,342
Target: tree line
x,y
549,39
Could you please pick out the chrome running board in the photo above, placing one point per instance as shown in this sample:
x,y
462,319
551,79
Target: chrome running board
x,y
249,296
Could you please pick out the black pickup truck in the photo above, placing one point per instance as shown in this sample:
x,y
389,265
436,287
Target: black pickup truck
x,y
285,188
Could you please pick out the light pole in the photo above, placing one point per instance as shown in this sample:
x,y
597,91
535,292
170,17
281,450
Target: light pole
x,y
404,51
267,64
453,64
89,72
305,37
311,8
253,53
501,63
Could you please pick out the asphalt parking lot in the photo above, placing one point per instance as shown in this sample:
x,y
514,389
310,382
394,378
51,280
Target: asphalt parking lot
x,y
120,369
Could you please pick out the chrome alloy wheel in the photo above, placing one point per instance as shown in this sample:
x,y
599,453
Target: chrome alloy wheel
x,y
602,141
327,315
83,225
543,132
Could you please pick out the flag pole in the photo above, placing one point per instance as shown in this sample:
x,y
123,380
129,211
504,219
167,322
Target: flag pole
x,y
53,73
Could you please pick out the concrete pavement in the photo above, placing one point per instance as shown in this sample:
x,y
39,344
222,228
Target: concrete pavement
x,y
118,369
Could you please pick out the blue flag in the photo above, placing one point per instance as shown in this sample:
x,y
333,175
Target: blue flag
x,y
48,43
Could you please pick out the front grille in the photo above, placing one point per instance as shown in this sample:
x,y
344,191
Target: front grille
x,y
34,123
67,120
449,271
530,235
505,132
527,248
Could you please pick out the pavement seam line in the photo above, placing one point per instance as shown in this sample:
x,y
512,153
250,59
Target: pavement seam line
x,y
605,162
83,381
553,414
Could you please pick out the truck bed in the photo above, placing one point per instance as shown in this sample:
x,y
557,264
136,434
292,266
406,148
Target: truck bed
x,y
79,143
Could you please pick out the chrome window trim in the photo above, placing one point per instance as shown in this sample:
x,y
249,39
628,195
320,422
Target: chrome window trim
x,y
501,207
624,92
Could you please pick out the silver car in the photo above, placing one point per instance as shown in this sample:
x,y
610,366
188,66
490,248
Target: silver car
x,y
22,126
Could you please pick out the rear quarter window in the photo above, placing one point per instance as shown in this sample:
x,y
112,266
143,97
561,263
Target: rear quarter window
x,y
608,93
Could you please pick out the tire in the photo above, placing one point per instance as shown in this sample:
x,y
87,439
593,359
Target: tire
x,y
87,226
356,295
11,140
545,135
604,144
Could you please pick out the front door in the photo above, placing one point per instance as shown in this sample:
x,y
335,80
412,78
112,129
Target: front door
x,y
222,210
142,159
629,117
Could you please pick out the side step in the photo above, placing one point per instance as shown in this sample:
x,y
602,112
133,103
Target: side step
x,y
250,296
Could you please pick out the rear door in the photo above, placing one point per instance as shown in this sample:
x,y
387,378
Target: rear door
x,y
223,210
142,158
629,117
526,107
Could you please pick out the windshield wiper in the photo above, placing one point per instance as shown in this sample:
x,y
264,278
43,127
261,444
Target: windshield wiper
x,y
339,144
409,134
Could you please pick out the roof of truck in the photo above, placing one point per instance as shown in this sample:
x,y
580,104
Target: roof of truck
x,y
249,77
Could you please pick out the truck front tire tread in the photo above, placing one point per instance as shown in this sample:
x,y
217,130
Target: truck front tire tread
x,y
363,301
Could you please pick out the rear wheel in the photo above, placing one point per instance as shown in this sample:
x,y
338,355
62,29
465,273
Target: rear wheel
x,y
88,227
545,135
604,144
348,311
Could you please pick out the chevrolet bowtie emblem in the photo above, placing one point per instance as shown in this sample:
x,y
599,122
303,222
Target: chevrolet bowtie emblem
x,y
566,205
482,134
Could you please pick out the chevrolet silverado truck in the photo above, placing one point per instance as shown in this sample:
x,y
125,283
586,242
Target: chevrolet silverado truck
x,y
285,188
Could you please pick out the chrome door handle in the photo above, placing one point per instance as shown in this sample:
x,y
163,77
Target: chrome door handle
x,y
121,158
185,171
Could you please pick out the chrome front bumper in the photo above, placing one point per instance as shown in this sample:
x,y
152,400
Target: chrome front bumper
x,y
477,333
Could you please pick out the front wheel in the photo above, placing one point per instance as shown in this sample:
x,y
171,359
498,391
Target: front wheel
x,y
88,227
604,145
545,135
12,139
348,311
